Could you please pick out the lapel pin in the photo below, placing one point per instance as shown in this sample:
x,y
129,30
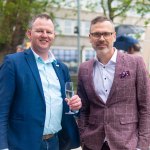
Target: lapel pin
x,y
55,62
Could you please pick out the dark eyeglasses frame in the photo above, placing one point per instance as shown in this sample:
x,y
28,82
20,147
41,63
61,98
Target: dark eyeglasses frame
x,y
98,35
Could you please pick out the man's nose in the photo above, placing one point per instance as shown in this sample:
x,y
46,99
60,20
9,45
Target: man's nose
x,y
44,33
101,37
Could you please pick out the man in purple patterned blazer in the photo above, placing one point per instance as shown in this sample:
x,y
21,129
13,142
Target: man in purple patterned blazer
x,y
115,92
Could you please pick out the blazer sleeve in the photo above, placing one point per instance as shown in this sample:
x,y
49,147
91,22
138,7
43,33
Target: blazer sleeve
x,y
7,87
143,101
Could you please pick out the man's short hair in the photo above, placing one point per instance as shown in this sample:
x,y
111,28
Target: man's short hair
x,y
44,15
100,19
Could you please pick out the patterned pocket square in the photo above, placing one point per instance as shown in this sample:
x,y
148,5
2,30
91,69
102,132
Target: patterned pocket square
x,y
124,74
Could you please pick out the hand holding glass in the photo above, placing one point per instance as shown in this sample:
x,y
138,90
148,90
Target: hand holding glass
x,y
69,93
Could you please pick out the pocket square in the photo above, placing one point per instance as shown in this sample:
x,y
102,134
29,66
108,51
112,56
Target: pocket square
x,y
124,74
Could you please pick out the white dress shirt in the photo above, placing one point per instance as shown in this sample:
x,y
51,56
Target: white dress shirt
x,y
104,75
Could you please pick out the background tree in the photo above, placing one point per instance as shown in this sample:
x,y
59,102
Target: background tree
x,y
15,15
14,18
143,8
114,8
119,8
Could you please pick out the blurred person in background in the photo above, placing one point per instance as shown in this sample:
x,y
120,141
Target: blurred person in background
x,y
19,48
128,44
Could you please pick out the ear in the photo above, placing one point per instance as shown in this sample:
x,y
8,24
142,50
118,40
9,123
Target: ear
x,y
114,36
28,33
90,38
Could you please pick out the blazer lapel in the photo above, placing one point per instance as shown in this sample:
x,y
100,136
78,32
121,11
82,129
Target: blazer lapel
x,y
33,66
61,76
120,64
89,80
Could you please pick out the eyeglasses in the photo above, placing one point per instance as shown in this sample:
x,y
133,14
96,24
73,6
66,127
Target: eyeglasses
x,y
98,35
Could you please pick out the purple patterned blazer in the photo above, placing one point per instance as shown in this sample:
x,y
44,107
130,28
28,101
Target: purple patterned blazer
x,y
125,118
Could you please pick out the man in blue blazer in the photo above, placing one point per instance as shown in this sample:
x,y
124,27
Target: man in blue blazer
x,y
32,96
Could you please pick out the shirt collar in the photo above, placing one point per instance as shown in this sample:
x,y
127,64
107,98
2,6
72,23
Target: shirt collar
x,y
51,57
113,58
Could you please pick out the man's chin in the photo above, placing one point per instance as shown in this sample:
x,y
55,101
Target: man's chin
x,y
102,46
103,49
45,48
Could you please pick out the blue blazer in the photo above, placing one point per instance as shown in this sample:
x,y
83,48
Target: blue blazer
x,y
22,105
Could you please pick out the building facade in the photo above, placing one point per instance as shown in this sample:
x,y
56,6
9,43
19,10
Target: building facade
x,y
66,46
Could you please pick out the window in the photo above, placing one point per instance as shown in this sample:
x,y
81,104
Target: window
x,y
58,26
87,53
67,26
67,55
85,27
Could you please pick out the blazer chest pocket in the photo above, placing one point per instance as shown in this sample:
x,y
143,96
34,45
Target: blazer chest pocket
x,y
125,82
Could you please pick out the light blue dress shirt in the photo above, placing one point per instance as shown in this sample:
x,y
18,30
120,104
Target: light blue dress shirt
x,y
52,94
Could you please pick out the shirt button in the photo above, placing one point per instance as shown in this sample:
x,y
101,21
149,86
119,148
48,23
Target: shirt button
x,y
106,90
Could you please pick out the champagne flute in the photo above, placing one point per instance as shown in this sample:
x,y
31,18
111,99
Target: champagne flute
x,y
69,93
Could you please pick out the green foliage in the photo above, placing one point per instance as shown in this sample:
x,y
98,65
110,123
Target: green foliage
x,y
143,7
15,16
11,12
115,8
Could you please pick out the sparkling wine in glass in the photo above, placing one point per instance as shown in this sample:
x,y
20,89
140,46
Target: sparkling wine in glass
x,y
69,93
